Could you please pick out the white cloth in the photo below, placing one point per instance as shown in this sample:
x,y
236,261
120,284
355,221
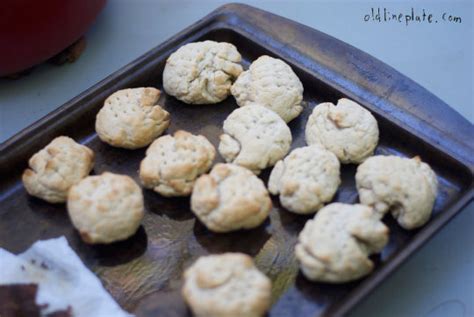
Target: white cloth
x,y
63,280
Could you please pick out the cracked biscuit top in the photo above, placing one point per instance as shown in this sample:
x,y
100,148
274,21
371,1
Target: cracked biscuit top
x,y
271,83
255,138
334,246
405,187
346,129
202,72
58,166
173,163
306,179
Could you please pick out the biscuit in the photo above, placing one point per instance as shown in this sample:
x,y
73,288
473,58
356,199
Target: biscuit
x,y
334,246
306,179
255,138
226,285
105,208
230,198
202,72
348,130
173,163
55,168
131,118
405,187
271,83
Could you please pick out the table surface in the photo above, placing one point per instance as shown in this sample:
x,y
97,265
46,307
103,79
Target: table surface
x,y
436,281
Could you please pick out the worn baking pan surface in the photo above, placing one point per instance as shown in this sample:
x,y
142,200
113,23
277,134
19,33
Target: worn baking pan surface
x,y
144,272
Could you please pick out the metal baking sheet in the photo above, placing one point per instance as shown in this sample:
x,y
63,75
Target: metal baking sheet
x,y
144,272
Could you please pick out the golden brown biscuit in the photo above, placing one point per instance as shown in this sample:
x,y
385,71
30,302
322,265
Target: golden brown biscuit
x,y
306,179
226,285
334,246
271,83
405,187
173,163
131,118
58,166
106,208
346,129
202,72
230,198
255,138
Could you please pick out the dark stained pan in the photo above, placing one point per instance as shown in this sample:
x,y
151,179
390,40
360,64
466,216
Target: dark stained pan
x,y
144,273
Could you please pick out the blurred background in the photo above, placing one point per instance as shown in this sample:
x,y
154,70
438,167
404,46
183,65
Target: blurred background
x,y
438,280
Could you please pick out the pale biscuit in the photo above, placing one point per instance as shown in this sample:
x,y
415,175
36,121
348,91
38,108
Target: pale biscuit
x,y
226,285
202,72
347,129
271,83
55,168
106,208
405,187
230,198
334,246
306,179
131,118
255,138
173,163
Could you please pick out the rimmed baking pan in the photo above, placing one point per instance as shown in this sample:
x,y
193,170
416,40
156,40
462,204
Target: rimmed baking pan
x,y
143,273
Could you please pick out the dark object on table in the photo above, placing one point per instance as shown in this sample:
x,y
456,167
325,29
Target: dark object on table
x,y
19,300
69,55
33,31
412,122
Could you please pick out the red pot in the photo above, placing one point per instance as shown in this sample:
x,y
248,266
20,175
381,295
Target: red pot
x,y
32,31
